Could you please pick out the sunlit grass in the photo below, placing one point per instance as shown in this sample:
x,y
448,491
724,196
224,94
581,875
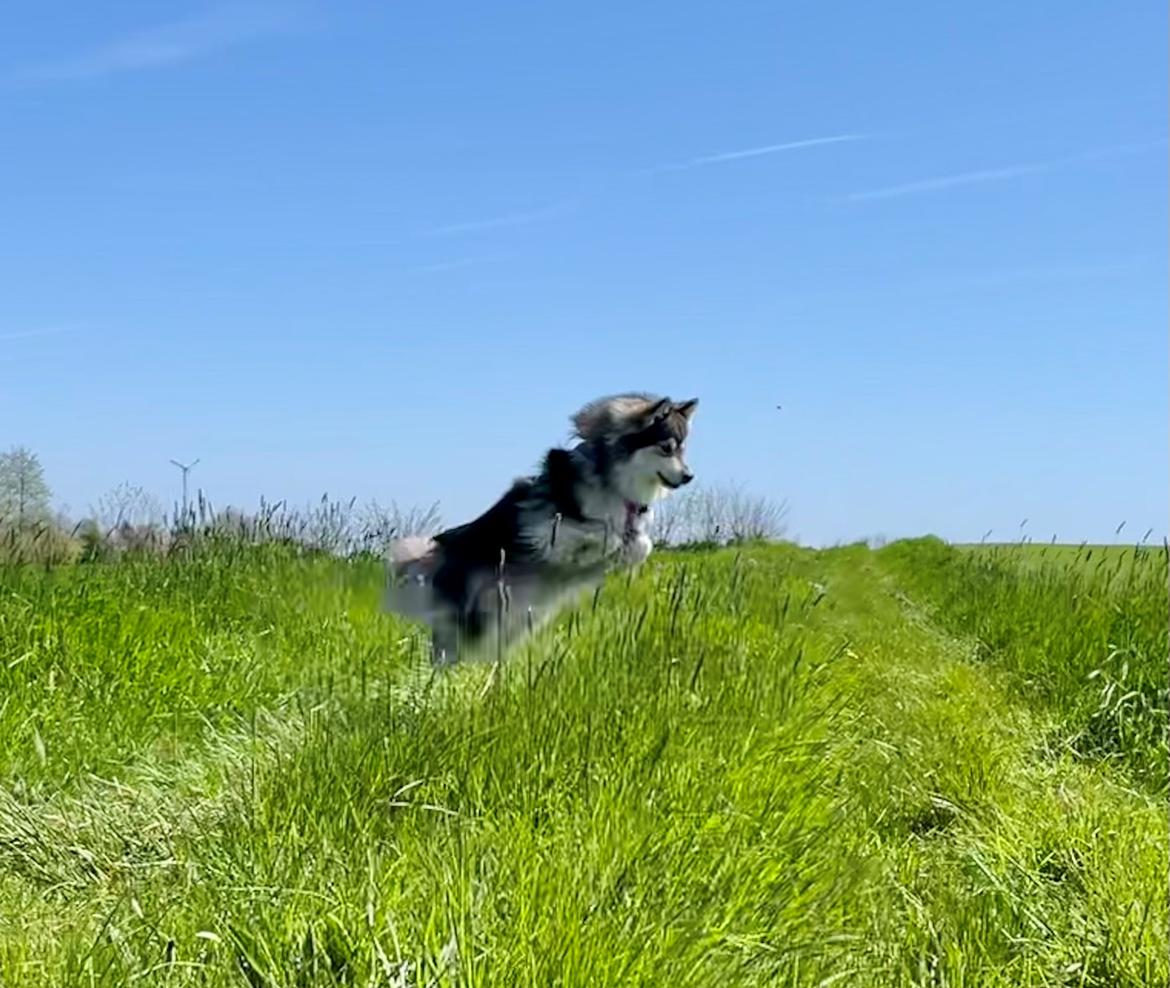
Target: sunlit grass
x,y
767,768
1084,629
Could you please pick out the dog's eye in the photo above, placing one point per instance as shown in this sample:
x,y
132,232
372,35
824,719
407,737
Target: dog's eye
x,y
667,448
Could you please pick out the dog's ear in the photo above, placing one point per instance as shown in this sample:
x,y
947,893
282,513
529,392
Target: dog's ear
x,y
659,410
687,408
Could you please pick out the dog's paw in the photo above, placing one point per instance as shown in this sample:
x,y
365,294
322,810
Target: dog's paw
x,y
636,549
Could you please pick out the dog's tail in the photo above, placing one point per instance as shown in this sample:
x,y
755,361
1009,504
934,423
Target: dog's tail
x,y
413,561
411,552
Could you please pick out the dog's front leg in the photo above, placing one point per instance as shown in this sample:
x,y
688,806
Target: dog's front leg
x,y
636,549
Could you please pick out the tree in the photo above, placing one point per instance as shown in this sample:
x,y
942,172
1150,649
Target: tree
x,y
24,495
128,504
723,515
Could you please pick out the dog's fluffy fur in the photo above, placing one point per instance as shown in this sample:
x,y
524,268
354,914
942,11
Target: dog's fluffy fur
x,y
552,535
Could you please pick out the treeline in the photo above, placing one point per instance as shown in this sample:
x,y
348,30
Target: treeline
x,y
130,521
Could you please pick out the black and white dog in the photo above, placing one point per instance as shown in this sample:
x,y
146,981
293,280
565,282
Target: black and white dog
x,y
552,535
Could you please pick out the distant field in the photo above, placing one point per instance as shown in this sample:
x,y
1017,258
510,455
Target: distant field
x,y
918,766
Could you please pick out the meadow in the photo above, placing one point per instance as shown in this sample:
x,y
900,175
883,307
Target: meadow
x,y
759,765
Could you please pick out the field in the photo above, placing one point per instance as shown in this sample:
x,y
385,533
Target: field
x,y
922,765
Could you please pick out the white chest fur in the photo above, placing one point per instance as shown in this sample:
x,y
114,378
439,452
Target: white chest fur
x,y
611,534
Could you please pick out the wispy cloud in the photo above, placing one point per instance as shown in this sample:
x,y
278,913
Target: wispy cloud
x,y
28,334
167,44
499,222
559,209
944,182
756,152
951,181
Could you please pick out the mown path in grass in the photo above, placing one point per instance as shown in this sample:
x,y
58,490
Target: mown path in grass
x,y
759,768
1016,862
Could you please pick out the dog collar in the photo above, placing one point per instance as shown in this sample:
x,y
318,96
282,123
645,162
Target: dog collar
x,y
633,509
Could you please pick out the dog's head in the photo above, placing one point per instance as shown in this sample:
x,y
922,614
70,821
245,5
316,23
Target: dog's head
x,y
648,436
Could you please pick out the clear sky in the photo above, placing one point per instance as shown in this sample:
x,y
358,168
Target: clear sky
x,y
384,249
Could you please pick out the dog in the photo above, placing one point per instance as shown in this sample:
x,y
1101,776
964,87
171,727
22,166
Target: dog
x,y
552,536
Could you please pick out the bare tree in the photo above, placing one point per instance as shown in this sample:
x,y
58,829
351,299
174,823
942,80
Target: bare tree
x,y
24,494
126,519
750,517
721,515
128,504
379,525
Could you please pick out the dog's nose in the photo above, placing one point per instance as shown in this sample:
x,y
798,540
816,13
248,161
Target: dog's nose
x,y
687,477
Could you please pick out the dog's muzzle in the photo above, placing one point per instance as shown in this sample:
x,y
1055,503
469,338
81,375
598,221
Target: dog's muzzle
x,y
674,485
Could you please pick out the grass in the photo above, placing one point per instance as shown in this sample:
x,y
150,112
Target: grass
x,y
1082,629
774,767
102,663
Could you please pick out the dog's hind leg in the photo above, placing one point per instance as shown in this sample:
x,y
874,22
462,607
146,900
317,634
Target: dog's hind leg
x,y
444,643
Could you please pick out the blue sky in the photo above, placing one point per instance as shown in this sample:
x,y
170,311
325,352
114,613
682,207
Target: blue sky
x,y
385,249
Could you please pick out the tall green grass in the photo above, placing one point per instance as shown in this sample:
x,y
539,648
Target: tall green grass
x,y
99,663
1083,629
733,768
644,797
